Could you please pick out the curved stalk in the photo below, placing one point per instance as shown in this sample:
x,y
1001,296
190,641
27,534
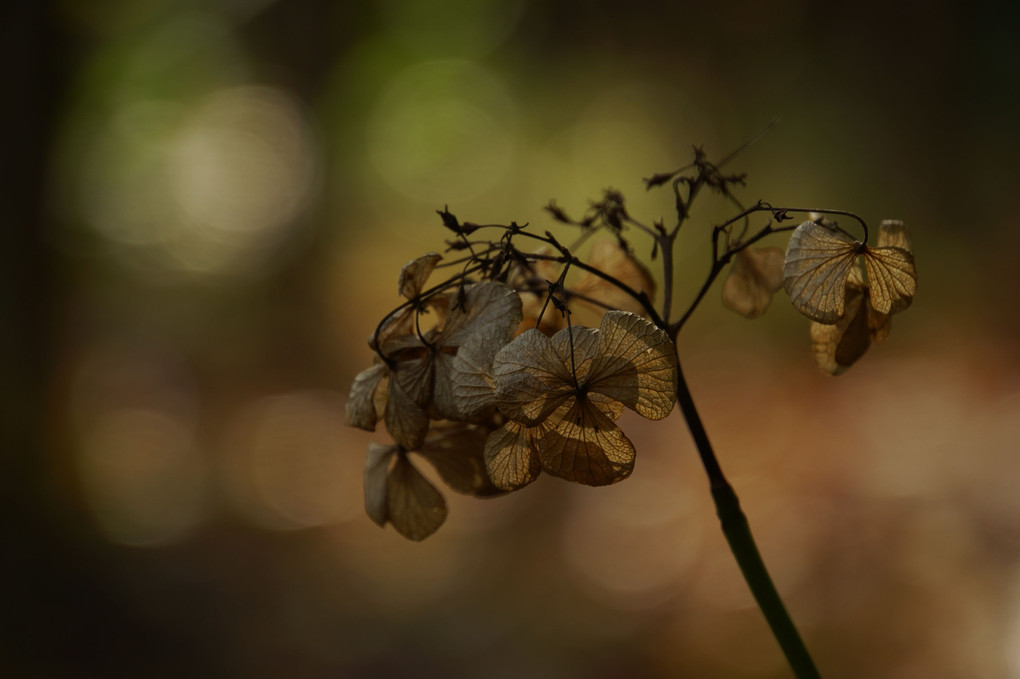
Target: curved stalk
x,y
738,534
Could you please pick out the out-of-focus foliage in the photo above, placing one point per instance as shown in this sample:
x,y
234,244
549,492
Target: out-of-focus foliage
x,y
206,200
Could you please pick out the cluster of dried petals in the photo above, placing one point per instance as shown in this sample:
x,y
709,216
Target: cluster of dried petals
x,y
491,407
756,275
397,493
562,396
410,389
849,309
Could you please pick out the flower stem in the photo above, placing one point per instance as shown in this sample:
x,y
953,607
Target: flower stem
x,y
738,534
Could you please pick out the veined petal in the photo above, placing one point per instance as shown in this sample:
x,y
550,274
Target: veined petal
x,y
414,507
482,305
818,262
361,409
635,364
471,386
586,446
891,277
531,378
406,421
581,343
511,455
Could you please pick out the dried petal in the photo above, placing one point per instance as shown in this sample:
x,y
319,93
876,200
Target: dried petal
x,y
894,233
891,277
406,422
611,258
837,346
362,403
456,450
533,373
484,304
414,507
511,455
377,464
818,262
754,277
532,286
414,274
471,385
586,446
635,364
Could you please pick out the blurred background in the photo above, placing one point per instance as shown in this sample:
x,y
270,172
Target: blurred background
x,y
207,203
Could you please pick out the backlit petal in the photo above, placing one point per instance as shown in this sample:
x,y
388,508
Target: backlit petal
x,y
818,262
635,364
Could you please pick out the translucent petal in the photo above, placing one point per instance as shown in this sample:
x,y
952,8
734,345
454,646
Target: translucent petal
x,y
415,376
635,364
531,378
891,277
894,233
414,274
406,422
611,258
456,450
485,304
879,325
471,383
582,343
361,409
414,507
837,346
377,464
818,262
511,455
586,446
753,278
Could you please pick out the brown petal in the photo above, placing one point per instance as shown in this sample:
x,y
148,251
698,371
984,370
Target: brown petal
x,y
837,346
818,262
406,421
414,274
471,386
894,233
635,365
414,507
891,277
754,276
576,347
484,304
611,258
456,450
586,446
531,378
362,402
511,455
377,464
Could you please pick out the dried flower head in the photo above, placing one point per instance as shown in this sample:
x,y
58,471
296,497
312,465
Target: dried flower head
x,y
563,395
820,260
837,346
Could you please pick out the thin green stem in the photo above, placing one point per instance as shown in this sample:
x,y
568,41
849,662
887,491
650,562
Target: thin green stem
x,y
738,534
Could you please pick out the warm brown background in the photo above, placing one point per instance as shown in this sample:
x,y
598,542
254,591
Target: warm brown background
x,y
207,203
